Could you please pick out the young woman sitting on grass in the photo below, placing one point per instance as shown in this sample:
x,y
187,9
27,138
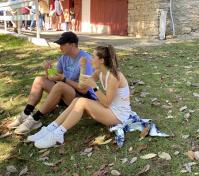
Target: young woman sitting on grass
x,y
111,108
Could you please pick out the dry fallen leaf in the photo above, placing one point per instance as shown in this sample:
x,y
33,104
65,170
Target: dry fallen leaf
x,y
144,132
42,151
87,151
124,160
23,171
185,136
148,156
176,152
188,166
169,117
183,108
48,164
102,171
141,148
195,85
156,103
115,173
53,164
133,160
11,169
187,116
130,149
5,135
140,82
43,158
164,155
89,155
190,154
144,170
196,95
100,140
193,155
76,174
167,106
62,150
196,155
143,94
46,153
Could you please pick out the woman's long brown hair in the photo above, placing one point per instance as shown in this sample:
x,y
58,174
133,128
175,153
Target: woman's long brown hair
x,y
110,59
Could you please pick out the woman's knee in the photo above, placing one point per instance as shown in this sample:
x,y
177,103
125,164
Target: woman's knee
x,y
82,102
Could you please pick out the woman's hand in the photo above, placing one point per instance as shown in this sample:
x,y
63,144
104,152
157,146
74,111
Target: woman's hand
x,y
88,81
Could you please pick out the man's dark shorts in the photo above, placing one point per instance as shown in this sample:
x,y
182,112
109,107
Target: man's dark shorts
x,y
90,95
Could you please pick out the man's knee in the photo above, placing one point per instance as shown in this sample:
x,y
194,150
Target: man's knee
x,y
62,88
59,86
40,80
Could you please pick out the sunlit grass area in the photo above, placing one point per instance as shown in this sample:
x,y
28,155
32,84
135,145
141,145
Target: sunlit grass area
x,y
167,74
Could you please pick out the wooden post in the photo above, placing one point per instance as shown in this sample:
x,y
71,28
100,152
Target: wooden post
x,y
5,22
37,18
19,22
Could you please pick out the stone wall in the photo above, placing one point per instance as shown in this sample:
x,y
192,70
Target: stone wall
x,y
143,17
186,16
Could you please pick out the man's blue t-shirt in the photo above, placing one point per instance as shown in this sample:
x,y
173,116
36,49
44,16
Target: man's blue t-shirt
x,y
71,67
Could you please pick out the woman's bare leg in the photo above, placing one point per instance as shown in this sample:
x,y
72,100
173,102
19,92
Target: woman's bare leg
x,y
94,108
63,116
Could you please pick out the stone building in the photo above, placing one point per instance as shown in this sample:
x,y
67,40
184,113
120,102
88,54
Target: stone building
x,y
144,16
137,18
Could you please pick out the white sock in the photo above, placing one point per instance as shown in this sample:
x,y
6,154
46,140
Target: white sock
x,y
60,130
52,126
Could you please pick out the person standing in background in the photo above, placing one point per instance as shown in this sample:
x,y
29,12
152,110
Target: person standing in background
x,y
32,15
52,14
43,10
25,11
59,12
72,19
66,19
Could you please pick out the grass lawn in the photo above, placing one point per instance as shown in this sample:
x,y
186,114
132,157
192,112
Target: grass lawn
x,y
168,72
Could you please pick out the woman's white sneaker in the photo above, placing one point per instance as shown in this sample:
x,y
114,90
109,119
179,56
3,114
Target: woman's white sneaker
x,y
40,134
50,140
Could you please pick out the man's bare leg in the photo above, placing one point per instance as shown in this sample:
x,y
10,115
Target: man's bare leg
x,y
59,91
39,85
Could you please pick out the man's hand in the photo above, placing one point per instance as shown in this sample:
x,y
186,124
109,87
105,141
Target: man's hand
x,y
47,64
57,77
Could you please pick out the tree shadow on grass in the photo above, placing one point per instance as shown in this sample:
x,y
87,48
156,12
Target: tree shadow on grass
x,y
20,63
68,156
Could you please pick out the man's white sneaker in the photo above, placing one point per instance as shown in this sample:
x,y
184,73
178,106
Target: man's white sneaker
x,y
49,140
40,134
28,125
18,121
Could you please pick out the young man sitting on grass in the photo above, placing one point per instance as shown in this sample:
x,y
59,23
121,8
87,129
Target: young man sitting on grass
x,y
61,87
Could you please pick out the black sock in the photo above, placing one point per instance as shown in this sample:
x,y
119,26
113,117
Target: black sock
x,y
28,109
38,115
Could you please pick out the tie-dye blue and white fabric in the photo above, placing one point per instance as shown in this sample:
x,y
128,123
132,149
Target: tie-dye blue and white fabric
x,y
134,123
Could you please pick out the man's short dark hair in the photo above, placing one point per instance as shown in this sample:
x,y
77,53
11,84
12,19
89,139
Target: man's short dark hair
x,y
67,37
